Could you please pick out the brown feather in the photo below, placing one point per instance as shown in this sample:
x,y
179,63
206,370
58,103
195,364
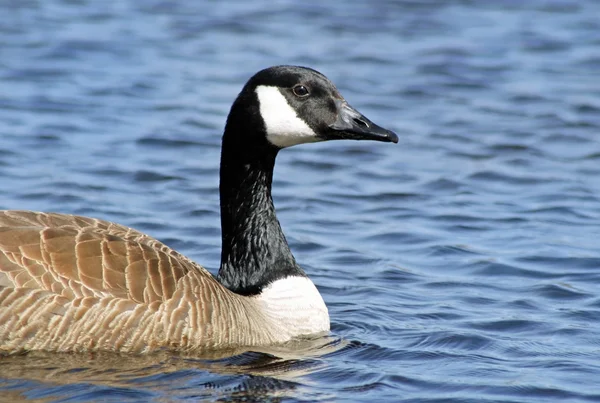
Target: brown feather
x,y
70,283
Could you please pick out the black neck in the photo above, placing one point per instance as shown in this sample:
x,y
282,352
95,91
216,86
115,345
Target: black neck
x,y
254,250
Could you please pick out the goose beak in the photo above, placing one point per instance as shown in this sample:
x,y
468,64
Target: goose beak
x,y
351,124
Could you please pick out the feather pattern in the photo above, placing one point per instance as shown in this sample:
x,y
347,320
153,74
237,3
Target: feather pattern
x,y
70,283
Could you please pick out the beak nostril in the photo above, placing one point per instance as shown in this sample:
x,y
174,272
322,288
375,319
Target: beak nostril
x,y
361,122
351,124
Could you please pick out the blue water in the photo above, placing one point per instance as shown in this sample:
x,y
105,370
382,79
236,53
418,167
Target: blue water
x,y
462,264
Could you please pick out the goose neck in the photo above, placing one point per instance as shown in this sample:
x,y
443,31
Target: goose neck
x,y
254,249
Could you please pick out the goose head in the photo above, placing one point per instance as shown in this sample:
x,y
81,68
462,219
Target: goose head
x,y
290,105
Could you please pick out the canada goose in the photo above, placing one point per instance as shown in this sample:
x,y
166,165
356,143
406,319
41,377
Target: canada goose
x,y
70,283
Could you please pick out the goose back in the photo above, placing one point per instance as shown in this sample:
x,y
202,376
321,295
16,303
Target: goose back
x,y
70,283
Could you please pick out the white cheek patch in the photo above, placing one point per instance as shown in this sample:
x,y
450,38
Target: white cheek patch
x,y
284,127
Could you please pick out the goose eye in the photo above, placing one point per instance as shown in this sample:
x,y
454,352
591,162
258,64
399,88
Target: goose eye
x,y
300,91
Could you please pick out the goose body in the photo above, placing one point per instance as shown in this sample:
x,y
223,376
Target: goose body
x,y
70,283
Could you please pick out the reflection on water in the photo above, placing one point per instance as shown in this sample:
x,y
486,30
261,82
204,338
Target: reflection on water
x,y
235,375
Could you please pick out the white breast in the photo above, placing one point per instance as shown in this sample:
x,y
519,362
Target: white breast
x,y
293,306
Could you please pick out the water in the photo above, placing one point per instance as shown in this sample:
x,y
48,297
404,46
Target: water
x,y
461,264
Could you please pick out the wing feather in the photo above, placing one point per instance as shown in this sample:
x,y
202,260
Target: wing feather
x,y
77,256
70,283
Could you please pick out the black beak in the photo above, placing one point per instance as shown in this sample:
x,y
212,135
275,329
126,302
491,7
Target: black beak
x,y
351,124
